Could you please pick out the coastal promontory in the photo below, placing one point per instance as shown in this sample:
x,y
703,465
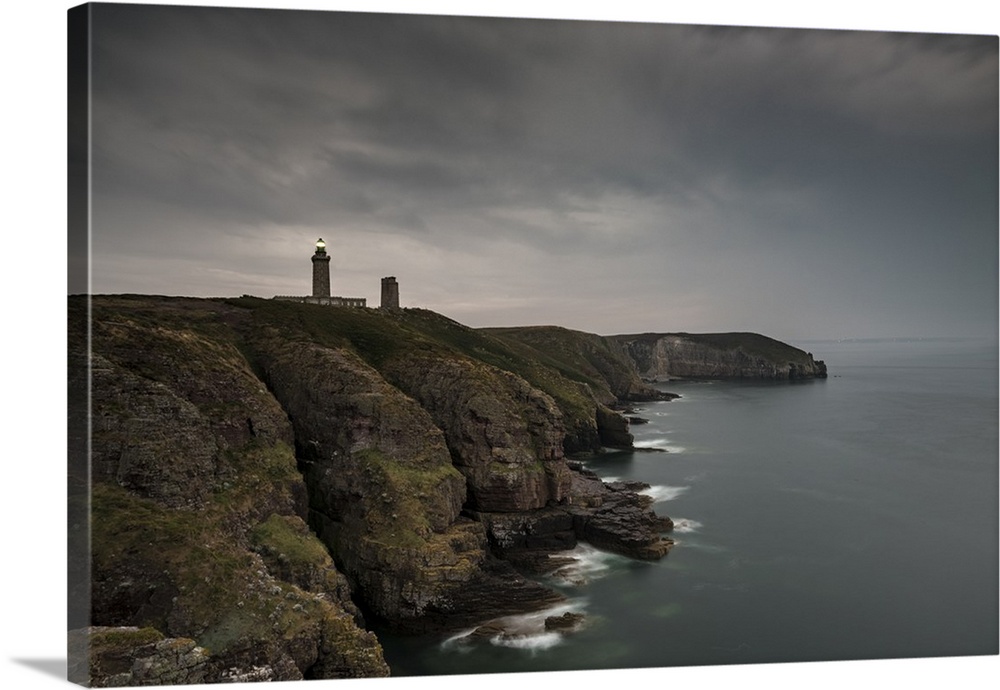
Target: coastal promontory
x,y
664,356
267,481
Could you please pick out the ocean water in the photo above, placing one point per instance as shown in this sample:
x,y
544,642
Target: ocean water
x,y
849,518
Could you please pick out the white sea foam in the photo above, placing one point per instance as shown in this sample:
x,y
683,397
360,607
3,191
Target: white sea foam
x,y
684,525
532,643
660,493
523,631
588,564
457,642
660,443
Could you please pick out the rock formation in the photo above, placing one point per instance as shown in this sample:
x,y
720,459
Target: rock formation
x,y
384,494
264,476
598,377
262,473
128,655
191,458
663,356
504,436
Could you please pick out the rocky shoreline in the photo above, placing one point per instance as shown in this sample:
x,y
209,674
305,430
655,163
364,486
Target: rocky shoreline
x,y
269,479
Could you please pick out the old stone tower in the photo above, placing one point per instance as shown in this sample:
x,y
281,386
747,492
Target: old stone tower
x,y
390,293
321,270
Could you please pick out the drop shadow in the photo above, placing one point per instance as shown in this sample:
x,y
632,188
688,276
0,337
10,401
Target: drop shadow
x,y
50,667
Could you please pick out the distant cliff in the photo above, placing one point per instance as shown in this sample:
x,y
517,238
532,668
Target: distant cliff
x,y
664,356
267,477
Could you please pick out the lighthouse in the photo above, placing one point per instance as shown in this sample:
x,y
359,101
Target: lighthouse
x,y
321,270
321,284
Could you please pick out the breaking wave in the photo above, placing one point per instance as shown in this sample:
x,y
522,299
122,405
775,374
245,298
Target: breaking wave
x,y
660,443
660,493
684,525
522,631
531,642
586,564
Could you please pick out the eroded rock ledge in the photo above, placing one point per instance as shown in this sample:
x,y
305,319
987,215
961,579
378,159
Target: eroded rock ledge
x,y
614,517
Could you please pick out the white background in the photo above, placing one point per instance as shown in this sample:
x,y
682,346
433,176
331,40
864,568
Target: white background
x,y
33,334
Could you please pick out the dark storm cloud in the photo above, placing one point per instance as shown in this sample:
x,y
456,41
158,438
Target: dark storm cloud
x,y
715,168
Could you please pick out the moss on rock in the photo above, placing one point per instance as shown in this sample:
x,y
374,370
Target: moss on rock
x,y
191,453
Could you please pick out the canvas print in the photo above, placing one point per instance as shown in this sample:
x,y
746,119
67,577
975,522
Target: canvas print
x,y
416,345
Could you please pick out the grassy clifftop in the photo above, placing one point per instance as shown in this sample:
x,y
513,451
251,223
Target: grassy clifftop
x,y
753,343
383,339
598,362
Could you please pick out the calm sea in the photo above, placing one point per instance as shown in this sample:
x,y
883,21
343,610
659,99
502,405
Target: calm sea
x,y
848,518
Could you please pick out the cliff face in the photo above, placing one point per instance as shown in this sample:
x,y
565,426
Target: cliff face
x,y
262,473
384,494
503,435
191,459
718,356
599,362
603,375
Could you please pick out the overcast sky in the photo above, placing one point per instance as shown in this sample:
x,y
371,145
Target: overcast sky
x,y
606,176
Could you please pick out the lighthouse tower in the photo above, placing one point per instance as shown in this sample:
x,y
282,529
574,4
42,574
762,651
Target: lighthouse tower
x,y
321,270
321,284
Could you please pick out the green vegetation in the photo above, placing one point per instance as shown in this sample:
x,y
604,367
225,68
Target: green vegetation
x,y
220,592
583,357
206,317
382,338
124,638
258,467
110,652
200,555
399,515
172,550
574,389
285,537
365,331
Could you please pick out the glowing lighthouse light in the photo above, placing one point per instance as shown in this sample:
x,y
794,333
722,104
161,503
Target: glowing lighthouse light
x,y
321,284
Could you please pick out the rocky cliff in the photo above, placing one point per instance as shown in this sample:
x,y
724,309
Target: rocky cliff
x,y
267,476
600,378
664,356
197,512
599,362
